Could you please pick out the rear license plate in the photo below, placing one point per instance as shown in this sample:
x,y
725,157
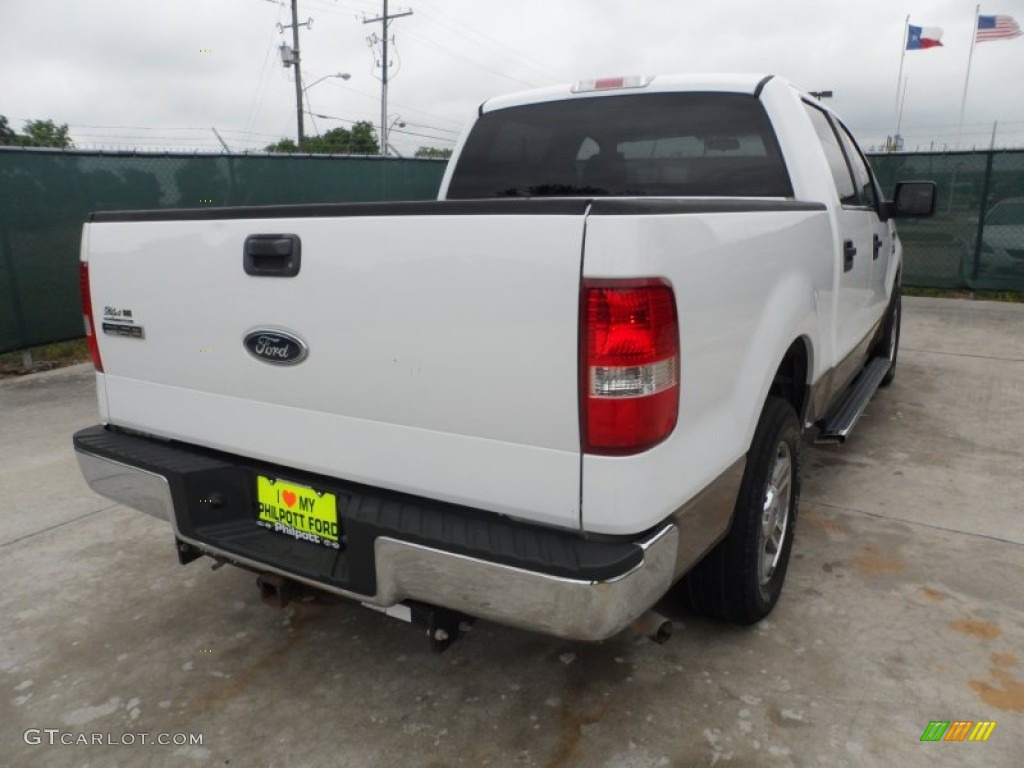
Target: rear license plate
x,y
298,511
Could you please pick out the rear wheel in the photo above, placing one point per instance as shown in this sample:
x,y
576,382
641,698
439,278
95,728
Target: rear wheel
x,y
889,345
741,579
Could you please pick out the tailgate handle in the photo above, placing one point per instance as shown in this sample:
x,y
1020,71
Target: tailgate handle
x,y
272,255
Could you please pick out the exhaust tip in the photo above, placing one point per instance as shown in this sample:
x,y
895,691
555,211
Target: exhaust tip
x,y
653,626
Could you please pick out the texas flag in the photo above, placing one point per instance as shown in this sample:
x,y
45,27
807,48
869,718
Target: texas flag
x,y
923,37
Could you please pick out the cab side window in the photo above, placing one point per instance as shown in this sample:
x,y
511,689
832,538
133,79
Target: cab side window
x,y
834,155
861,171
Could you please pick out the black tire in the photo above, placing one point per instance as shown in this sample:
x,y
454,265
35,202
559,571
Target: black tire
x,y
889,344
729,583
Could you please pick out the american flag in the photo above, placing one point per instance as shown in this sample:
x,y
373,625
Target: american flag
x,y
996,28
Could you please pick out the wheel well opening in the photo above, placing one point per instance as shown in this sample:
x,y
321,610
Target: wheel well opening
x,y
790,382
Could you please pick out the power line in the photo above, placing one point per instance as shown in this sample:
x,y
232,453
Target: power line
x,y
492,46
491,41
76,127
322,116
341,10
423,135
472,62
257,98
433,128
403,107
391,130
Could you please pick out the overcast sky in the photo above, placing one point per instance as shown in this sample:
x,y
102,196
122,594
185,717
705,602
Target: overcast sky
x,y
134,73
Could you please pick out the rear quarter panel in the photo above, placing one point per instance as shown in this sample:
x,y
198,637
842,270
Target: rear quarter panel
x,y
747,284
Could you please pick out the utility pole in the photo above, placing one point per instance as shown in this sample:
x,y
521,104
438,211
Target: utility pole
x,y
290,58
298,70
385,20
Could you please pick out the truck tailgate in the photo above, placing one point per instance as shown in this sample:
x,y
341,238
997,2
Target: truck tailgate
x,y
442,345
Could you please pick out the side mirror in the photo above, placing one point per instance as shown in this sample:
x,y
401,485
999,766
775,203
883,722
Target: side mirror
x,y
913,198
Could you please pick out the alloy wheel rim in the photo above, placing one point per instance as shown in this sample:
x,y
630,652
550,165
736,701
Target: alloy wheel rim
x,y
892,333
775,513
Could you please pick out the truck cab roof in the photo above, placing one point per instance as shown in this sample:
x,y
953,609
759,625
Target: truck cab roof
x,y
724,83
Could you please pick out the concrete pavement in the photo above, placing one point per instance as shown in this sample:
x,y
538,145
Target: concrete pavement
x,y
903,605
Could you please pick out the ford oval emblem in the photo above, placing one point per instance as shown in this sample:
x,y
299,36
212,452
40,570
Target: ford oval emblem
x,y
275,347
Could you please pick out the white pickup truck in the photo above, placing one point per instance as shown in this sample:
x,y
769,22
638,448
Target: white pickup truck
x,y
578,379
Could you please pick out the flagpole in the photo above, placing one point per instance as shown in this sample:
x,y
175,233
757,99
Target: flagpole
x,y
899,118
899,77
967,79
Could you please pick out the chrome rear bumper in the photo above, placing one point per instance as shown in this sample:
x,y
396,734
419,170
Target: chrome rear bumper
x,y
565,607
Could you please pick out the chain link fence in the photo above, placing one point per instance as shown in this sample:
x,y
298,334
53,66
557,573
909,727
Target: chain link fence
x,y
976,238
45,196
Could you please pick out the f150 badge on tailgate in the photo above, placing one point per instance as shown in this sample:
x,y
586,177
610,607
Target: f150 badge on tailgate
x,y
276,347
122,322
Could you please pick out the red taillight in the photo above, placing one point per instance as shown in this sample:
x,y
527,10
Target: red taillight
x,y
90,325
630,365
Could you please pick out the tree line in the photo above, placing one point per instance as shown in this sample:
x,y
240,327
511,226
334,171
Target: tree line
x,y
360,139
36,133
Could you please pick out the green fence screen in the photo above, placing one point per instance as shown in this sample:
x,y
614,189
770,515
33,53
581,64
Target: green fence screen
x,y
45,196
975,240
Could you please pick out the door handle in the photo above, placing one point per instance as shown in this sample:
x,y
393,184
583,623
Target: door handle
x,y
877,248
849,251
272,255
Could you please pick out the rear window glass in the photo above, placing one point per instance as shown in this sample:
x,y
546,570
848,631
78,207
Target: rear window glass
x,y
687,144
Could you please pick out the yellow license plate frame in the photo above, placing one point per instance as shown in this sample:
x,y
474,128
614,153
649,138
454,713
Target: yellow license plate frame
x,y
299,511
